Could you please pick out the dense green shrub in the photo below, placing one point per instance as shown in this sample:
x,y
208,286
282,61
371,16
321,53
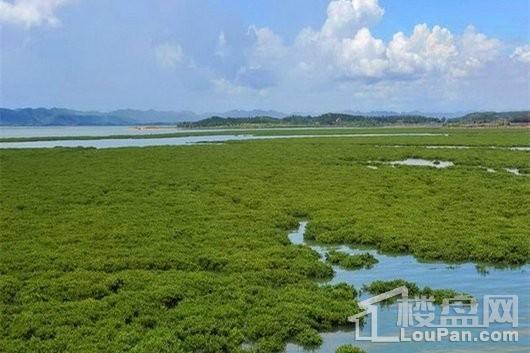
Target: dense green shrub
x,y
348,348
439,295
352,262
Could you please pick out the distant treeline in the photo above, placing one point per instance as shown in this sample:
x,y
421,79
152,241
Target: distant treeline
x,y
518,117
328,119
335,119
186,119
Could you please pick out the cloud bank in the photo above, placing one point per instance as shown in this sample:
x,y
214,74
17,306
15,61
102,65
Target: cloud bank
x,y
345,48
29,13
344,57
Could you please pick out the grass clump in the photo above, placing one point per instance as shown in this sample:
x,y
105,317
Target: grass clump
x,y
308,338
438,295
351,262
348,348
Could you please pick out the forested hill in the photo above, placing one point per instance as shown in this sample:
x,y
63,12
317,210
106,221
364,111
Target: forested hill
x,y
328,119
216,121
338,119
516,117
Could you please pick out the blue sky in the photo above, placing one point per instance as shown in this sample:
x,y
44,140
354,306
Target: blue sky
x,y
289,55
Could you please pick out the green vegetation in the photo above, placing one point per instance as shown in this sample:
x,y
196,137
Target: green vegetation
x,y
352,262
348,348
379,287
185,249
217,121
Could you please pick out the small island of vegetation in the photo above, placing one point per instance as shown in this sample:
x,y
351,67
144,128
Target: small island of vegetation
x,y
352,262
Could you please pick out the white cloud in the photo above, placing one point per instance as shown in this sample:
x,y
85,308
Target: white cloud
x,y
425,51
267,45
437,51
362,55
345,17
29,13
168,55
521,54
344,48
475,50
336,61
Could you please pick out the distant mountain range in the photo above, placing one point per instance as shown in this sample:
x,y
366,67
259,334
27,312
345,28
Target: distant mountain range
x,y
68,117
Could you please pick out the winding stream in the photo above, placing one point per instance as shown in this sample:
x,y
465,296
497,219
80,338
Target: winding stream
x,y
462,277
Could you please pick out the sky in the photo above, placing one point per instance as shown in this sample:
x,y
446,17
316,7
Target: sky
x,y
286,55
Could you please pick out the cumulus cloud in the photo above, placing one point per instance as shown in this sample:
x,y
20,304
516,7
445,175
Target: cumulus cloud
x,y
475,50
346,17
424,51
341,56
267,45
521,54
168,55
29,13
344,47
362,55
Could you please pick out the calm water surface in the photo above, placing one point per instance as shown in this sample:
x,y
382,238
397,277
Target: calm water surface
x,y
462,278
47,131
423,163
176,141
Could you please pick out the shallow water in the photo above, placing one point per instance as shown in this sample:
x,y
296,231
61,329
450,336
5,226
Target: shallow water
x,y
117,143
462,278
513,171
423,163
47,131
520,149
176,141
451,147
57,131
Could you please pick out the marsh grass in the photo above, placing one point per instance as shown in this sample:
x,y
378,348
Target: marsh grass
x,y
437,295
348,348
186,250
351,262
